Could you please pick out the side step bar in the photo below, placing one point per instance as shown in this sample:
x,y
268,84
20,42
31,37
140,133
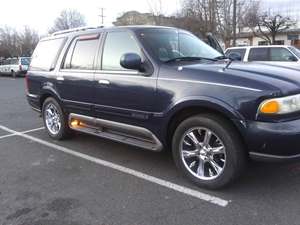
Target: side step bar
x,y
120,132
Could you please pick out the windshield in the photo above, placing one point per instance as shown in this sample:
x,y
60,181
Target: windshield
x,y
166,45
295,51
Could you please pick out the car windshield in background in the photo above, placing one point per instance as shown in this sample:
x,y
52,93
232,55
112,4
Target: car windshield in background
x,y
25,61
295,51
168,45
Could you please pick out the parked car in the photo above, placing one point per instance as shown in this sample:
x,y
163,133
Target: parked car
x,y
163,88
272,54
15,66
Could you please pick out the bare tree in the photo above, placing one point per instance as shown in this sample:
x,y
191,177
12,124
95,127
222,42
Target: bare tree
x,y
28,39
68,18
156,9
268,26
9,42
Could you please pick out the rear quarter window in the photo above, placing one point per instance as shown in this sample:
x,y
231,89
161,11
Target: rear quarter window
x,y
46,53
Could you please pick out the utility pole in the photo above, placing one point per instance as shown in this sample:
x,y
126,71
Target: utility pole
x,y
234,23
102,16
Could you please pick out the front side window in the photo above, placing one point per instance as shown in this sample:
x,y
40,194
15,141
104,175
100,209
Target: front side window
x,y
259,54
168,44
116,45
81,54
296,51
281,54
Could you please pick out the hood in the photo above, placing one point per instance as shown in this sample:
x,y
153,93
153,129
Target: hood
x,y
265,77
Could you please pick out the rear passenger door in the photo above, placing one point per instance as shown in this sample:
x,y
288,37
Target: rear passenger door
x,y
122,94
75,78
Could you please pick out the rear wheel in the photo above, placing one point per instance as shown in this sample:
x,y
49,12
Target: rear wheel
x,y
207,149
55,120
13,74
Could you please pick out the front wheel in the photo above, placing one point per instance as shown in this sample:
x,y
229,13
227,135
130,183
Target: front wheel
x,y
55,120
208,150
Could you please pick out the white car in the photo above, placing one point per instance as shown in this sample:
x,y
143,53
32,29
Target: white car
x,y
272,54
15,66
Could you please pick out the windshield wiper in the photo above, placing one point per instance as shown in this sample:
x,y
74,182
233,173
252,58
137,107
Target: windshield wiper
x,y
188,58
221,57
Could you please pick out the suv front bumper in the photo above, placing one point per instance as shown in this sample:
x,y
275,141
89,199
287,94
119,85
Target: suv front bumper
x,y
273,141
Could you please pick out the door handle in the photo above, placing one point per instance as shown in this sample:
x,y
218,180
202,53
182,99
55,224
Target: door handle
x,y
60,78
105,82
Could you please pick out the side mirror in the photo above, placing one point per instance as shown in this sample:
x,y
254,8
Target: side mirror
x,y
292,58
131,61
234,56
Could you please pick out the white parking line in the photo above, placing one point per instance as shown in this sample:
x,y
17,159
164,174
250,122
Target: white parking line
x,y
161,182
23,132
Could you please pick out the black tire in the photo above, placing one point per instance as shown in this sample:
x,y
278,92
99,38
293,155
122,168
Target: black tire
x,y
13,74
234,151
64,130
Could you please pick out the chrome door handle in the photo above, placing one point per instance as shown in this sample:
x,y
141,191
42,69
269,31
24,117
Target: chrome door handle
x,y
106,82
60,78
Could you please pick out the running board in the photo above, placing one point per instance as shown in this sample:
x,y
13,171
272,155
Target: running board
x,y
120,132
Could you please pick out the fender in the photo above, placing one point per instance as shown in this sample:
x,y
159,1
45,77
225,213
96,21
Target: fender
x,y
207,103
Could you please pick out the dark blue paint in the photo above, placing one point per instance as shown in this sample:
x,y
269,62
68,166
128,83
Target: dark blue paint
x,y
152,100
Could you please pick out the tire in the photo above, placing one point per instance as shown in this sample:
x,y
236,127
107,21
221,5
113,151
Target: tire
x,y
207,163
13,74
59,129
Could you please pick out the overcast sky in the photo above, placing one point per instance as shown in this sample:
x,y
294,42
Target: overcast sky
x,y
40,14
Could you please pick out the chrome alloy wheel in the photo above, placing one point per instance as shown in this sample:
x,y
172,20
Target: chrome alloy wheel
x,y
203,153
52,119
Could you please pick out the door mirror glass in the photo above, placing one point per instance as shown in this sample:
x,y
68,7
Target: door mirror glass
x,y
234,56
131,61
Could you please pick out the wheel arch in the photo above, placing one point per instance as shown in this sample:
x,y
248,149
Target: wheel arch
x,y
47,92
192,107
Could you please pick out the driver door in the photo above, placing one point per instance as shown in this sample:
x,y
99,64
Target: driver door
x,y
122,95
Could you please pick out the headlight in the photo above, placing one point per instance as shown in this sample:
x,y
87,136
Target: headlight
x,y
280,105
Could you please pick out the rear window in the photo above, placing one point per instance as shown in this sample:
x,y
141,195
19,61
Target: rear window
x,y
45,55
258,54
25,61
240,51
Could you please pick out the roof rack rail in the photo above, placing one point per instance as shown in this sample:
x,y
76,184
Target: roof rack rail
x,y
74,30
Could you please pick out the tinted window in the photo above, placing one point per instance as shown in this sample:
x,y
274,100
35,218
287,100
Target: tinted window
x,y
117,44
295,51
81,56
25,61
259,54
240,51
281,54
45,55
168,44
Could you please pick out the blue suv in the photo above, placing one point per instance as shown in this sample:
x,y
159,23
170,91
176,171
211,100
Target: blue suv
x,y
163,88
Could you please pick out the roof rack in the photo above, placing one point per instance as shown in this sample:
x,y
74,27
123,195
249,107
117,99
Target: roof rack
x,y
75,30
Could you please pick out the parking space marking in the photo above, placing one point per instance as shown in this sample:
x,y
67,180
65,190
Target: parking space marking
x,y
23,132
188,191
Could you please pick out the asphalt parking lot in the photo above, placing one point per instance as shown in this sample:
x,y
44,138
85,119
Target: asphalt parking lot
x,y
87,180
